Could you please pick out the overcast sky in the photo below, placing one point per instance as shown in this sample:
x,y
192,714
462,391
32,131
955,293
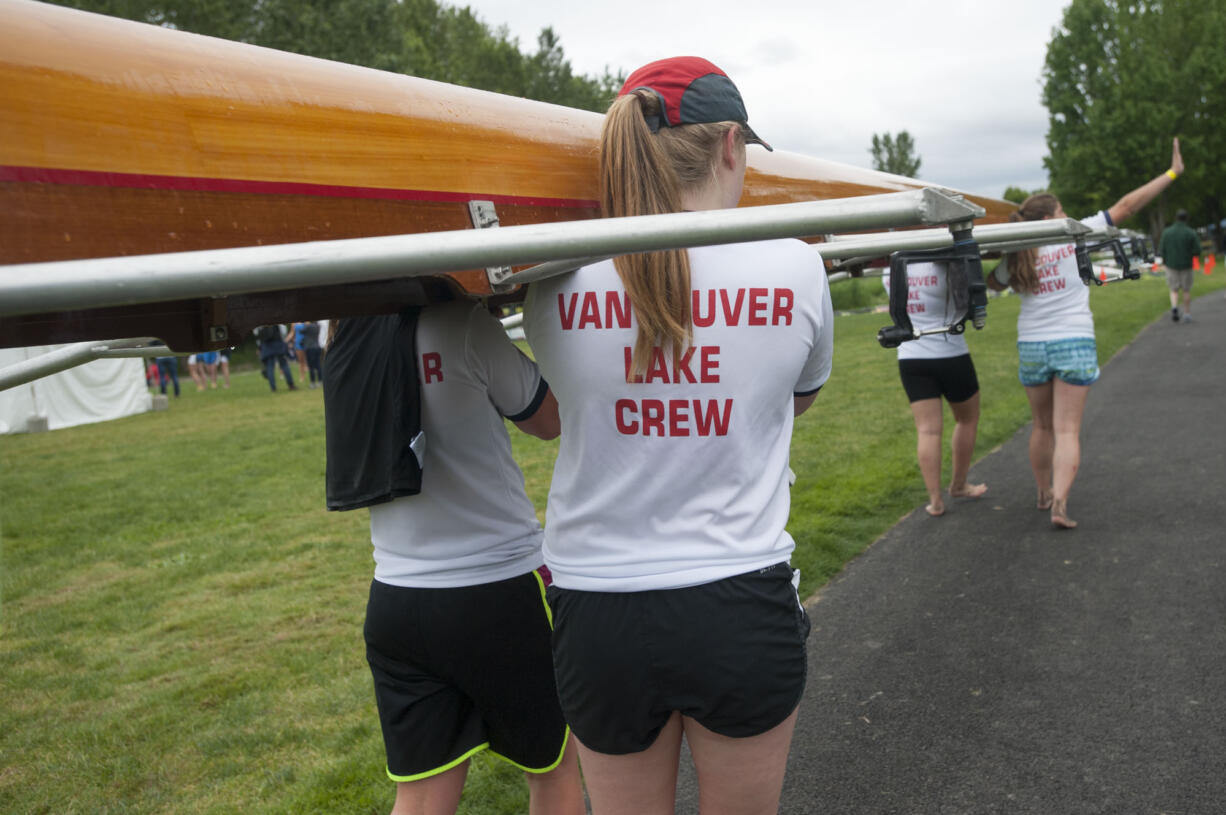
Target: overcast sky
x,y
820,77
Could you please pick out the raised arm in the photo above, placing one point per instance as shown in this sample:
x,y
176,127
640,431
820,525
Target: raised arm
x,y
1132,203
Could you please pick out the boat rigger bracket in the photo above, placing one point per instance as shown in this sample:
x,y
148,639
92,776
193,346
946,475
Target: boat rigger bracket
x,y
963,267
485,216
1085,265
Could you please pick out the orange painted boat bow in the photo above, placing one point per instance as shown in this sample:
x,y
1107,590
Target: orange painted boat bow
x,y
120,138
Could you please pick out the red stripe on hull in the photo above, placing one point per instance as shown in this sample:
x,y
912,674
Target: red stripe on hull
x,y
91,178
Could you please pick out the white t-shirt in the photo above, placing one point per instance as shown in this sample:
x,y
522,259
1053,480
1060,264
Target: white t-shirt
x,y
930,305
472,522
680,479
1061,308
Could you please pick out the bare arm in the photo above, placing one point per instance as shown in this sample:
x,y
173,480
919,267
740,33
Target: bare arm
x,y
1132,203
544,424
801,403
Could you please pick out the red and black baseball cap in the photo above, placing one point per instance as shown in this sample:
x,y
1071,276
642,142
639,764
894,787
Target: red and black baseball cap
x,y
691,91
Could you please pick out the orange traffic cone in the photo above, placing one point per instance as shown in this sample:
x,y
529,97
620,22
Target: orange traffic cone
x,y
1196,263
1210,262
1102,275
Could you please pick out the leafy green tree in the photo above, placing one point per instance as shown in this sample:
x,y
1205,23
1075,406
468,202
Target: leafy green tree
x,y
1017,195
1121,79
423,38
895,154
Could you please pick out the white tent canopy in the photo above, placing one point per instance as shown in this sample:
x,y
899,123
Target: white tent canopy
x,y
97,392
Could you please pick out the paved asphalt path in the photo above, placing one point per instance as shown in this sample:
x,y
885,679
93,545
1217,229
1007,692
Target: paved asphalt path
x,y
983,662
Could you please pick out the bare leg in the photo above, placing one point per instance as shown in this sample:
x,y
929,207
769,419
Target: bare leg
x,y
559,791
1068,404
739,776
966,426
1042,440
928,424
637,783
1187,302
436,795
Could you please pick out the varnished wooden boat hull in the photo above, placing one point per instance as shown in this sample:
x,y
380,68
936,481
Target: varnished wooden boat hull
x,y
118,138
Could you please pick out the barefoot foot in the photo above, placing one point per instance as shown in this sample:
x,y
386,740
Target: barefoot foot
x,y
935,509
968,490
1059,516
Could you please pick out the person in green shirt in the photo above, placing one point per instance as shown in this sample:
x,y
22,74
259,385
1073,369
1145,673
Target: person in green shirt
x,y
1178,245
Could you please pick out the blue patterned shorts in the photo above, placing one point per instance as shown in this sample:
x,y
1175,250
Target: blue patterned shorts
x,y
1074,361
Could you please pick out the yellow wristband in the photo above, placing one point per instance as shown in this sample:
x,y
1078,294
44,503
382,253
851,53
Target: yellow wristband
x,y
1172,174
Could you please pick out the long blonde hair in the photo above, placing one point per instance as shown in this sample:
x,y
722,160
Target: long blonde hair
x,y
1023,274
645,173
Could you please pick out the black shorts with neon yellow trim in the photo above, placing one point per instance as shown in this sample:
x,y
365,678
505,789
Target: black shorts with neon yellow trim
x,y
729,654
951,377
461,670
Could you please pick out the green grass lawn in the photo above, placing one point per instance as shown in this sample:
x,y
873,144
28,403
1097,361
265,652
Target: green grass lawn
x,y
180,620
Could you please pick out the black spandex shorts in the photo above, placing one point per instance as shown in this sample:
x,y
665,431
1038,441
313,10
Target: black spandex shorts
x,y
461,670
951,377
729,654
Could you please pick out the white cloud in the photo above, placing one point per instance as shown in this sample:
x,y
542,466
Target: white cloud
x,y
821,76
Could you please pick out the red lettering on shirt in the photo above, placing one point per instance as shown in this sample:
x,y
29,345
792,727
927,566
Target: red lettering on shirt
x,y
701,320
626,426
782,314
653,417
682,369
708,364
732,314
616,309
916,308
431,367
567,316
677,418
658,370
757,306
714,417
591,311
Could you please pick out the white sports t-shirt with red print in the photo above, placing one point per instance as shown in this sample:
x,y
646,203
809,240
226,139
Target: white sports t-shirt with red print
x,y
681,478
1061,307
930,305
472,523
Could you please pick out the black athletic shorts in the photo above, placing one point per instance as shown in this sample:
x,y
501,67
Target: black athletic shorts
x,y
951,377
461,670
729,654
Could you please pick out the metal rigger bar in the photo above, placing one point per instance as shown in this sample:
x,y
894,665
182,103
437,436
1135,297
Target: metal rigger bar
x,y
70,356
67,285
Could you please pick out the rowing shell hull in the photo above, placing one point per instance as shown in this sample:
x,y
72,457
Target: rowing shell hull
x,y
120,138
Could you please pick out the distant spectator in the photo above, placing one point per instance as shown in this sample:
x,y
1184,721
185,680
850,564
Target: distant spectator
x,y
207,360
168,369
223,362
297,349
273,351
197,372
309,333
1178,246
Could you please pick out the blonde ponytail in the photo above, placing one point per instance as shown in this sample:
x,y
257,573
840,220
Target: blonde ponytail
x,y
644,173
1023,271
